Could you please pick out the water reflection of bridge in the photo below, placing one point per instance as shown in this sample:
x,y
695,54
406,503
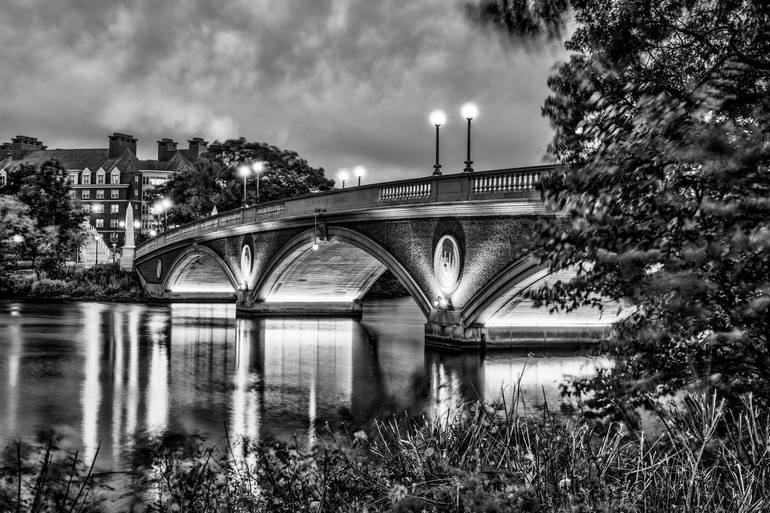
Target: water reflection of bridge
x,y
193,368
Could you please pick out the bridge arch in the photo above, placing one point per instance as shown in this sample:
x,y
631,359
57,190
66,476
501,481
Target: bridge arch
x,y
296,267
199,269
508,286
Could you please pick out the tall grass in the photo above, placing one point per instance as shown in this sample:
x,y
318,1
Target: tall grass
x,y
482,457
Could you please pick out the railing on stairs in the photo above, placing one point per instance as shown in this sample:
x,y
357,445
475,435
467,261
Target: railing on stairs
x,y
95,250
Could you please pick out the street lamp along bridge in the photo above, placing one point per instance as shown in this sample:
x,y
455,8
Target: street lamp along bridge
x,y
460,244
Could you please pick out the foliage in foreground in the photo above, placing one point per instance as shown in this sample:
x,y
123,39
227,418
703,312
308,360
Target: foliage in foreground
x,y
662,121
482,458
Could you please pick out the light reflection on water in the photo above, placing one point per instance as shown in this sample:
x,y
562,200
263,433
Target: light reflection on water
x,y
102,375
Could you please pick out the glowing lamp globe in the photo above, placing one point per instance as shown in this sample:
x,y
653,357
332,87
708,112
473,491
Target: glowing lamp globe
x,y
359,171
258,167
244,170
437,117
165,203
315,246
343,174
469,110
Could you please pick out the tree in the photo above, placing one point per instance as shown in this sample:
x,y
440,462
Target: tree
x,y
662,121
214,180
16,228
58,233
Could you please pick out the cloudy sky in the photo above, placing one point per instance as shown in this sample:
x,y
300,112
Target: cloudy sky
x,y
341,82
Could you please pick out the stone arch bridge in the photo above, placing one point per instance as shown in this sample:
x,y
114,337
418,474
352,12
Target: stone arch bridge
x,y
460,244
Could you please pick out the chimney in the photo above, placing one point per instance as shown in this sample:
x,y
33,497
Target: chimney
x,y
119,142
197,146
22,144
166,149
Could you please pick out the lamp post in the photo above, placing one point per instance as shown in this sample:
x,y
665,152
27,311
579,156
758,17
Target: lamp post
x,y
244,170
469,111
17,241
257,168
315,227
343,176
437,118
162,205
359,171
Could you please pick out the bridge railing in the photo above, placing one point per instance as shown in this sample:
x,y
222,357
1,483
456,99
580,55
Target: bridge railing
x,y
477,186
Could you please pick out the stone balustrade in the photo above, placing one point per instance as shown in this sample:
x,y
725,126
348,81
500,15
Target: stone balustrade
x,y
446,189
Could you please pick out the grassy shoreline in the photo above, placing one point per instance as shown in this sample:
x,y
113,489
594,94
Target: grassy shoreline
x,y
483,457
107,283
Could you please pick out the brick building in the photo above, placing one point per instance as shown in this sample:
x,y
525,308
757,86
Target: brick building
x,y
104,182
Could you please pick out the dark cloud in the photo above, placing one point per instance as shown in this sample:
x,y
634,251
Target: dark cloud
x,y
340,82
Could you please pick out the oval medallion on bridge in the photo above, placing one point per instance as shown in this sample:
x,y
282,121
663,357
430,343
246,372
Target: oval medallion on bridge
x,y
446,263
246,261
158,268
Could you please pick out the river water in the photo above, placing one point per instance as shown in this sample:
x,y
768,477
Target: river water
x,y
105,374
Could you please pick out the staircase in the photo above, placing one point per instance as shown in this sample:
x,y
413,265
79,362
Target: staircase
x,y
95,250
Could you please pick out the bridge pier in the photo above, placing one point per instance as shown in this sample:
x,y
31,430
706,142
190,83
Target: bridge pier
x,y
445,329
248,308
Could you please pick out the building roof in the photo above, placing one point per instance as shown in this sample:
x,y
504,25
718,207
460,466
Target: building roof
x,y
71,159
176,163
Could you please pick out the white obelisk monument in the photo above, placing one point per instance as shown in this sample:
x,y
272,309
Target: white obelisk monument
x,y
127,256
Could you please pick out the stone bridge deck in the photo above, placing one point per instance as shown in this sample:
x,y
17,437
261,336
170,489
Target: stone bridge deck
x,y
454,191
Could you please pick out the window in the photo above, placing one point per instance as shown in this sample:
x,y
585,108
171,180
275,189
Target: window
x,y
114,237
145,180
71,194
136,179
85,194
86,177
72,179
136,193
3,177
99,193
114,208
100,223
97,208
114,193
86,208
115,176
146,209
113,223
100,177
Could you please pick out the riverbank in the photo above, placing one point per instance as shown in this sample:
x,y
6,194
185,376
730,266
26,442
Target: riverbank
x,y
103,283
482,457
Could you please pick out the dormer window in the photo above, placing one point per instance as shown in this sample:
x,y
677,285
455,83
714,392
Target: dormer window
x,y
86,177
3,177
115,176
100,176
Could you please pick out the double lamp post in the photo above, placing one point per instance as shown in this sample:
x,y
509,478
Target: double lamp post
x,y
437,118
